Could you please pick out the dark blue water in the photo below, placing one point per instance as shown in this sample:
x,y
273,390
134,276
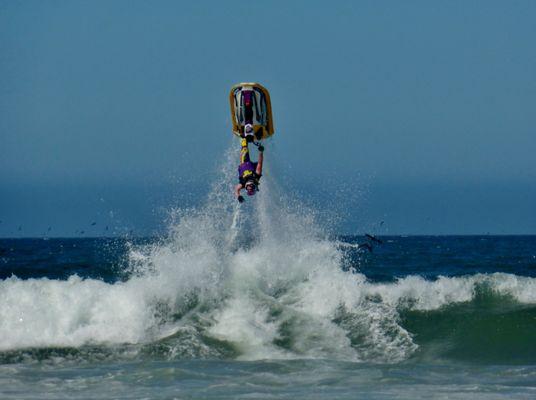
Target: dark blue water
x,y
396,257
433,256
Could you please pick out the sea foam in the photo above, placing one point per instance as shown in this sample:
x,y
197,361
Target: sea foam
x,y
262,278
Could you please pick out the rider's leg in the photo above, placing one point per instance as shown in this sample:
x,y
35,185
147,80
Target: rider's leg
x,y
244,152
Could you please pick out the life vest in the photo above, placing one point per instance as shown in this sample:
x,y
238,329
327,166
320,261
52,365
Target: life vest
x,y
247,172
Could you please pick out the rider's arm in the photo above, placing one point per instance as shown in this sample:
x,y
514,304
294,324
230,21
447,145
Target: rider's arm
x,y
259,163
238,188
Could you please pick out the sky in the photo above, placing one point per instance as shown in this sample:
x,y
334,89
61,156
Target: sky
x,y
412,117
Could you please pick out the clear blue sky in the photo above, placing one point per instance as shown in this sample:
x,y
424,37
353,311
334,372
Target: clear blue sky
x,y
418,113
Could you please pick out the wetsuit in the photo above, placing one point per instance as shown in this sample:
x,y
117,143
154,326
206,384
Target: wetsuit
x,y
247,169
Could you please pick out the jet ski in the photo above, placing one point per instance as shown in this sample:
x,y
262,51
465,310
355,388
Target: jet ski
x,y
250,104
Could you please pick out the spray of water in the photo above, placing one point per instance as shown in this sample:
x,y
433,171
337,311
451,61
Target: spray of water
x,y
255,281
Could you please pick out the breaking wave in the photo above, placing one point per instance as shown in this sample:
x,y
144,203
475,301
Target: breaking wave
x,y
263,281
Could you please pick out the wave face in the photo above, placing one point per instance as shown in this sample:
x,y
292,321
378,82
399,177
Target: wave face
x,y
263,281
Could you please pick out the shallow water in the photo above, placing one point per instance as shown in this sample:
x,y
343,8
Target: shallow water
x,y
228,379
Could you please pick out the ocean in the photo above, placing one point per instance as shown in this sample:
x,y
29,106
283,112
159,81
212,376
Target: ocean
x,y
262,301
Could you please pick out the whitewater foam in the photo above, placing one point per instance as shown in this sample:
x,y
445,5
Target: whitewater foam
x,y
262,278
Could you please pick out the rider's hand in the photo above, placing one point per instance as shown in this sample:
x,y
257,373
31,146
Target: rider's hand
x,y
261,148
240,199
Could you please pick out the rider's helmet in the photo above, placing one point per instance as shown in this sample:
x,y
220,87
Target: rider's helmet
x,y
248,128
251,187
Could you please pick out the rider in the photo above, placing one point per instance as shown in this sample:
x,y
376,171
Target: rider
x,y
249,172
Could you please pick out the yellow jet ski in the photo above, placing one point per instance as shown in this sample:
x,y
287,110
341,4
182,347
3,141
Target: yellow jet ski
x,y
250,104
